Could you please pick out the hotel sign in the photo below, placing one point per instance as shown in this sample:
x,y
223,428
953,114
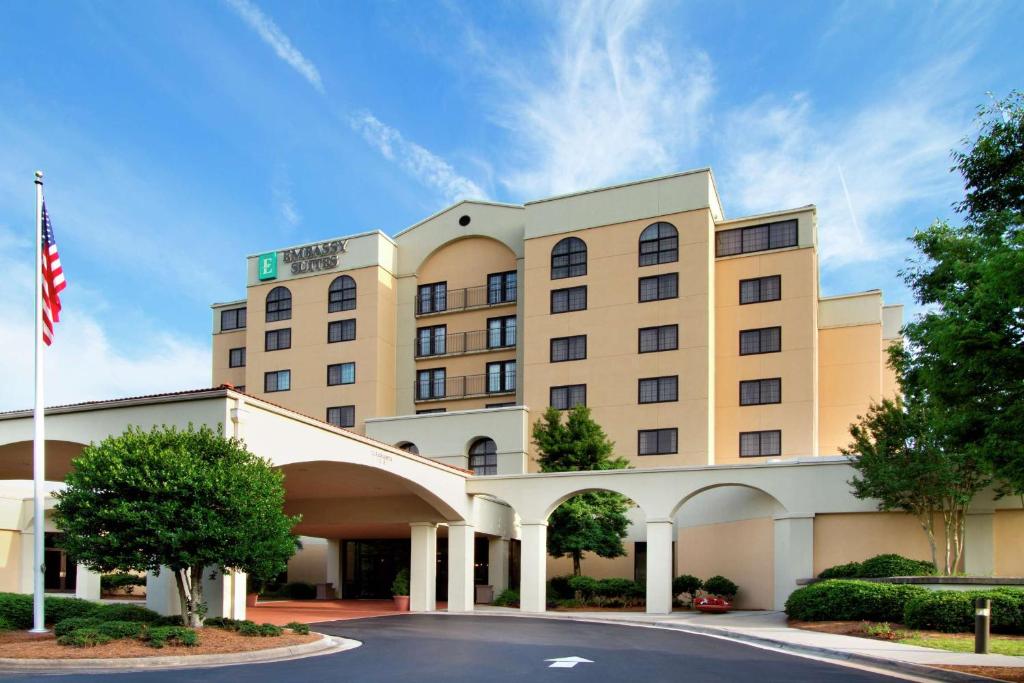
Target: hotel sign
x,y
311,258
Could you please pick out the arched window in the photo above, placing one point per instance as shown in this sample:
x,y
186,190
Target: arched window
x,y
659,243
569,258
408,447
341,295
279,304
483,456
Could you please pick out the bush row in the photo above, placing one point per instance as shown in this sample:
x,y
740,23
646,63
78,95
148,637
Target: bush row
x,y
913,606
16,610
716,585
879,566
294,590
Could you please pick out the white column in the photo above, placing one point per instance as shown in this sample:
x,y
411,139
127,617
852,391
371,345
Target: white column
x,y
660,534
423,567
533,567
979,544
794,553
461,538
87,583
497,564
162,592
224,594
333,574
26,575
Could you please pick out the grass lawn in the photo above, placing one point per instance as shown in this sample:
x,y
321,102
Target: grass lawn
x,y
997,645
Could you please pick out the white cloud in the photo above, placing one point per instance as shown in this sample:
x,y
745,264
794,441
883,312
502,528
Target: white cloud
x,y
273,36
83,364
609,100
893,152
281,191
428,168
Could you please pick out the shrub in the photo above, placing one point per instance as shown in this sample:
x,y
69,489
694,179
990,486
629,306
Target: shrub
x,y
560,588
400,586
5,625
159,636
615,588
721,586
298,627
66,626
59,609
119,612
507,598
84,637
850,570
686,583
894,565
16,610
584,586
125,580
120,629
248,628
953,611
848,600
168,620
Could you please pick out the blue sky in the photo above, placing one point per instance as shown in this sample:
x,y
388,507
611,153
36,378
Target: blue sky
x,y
178,137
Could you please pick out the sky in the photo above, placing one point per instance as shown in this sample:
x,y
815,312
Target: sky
x,y
177,137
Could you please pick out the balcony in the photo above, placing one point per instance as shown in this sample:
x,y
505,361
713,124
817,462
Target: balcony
x,y
434,344
442,300
466,386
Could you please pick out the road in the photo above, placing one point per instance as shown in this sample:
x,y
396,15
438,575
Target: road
x,y
451,649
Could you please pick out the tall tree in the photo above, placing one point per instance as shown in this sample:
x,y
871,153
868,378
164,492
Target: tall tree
x,y
902,465
965,354
589,522
179,500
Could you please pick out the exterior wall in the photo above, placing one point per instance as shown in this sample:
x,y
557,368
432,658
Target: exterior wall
x,y
796,314
612,321
223,342
742,551
10,561
596,567
310,563
841,538
1008,532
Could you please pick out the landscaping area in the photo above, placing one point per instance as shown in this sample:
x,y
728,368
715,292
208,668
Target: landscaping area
x,y
585,592
84,629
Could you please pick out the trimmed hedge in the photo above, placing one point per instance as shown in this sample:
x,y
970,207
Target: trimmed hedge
x,y
16,609
125,580
159,636
298,628
84,637
850,570
849,600
953,611
879,566
686,583
507,598
719,585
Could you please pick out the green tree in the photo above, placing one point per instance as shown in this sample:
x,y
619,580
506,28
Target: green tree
x,y
589,522
965,355
183,500
902,464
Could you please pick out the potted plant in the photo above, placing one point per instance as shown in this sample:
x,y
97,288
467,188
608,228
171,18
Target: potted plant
x,y
400,591
254,587
719,592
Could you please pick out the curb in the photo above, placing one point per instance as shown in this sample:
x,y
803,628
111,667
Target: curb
x,y
834,655
325,646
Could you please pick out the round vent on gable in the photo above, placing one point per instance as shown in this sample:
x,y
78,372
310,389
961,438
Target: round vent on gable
x,y
464,221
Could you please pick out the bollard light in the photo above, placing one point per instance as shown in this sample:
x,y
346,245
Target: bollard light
x,y
982,621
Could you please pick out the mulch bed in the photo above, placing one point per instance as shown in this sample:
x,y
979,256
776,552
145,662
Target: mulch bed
x,y
25,645
1000,673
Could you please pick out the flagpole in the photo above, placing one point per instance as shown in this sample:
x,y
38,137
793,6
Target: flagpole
x,y
39,438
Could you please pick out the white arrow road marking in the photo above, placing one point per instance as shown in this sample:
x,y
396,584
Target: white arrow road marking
x,y
567,662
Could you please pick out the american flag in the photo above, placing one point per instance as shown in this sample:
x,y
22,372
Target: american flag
x,y
53,279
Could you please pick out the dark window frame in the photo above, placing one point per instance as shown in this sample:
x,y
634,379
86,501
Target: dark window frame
x,y
432,383
506,294
760,443
276,335
280,307
658,431
232,355
568,388
486,449
760,289
277,383
503,331
507,382
657,330
568,348
664,276
238,313
760,391
434,288
760,341
341,294
568,292
666,247
775,235
563,271
434,349
342,325
657,389
340,424
341,374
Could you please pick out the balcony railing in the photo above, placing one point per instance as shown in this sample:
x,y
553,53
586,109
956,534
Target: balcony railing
x,y
466,386
456,343
444,301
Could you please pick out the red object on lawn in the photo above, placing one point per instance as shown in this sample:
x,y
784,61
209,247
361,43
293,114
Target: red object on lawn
x,y
712,605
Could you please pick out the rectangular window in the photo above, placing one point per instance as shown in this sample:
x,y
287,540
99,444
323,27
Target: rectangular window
x,y
431,411
763,340
778,235
275,340
341,330
661,338
501,376
568,348
341,373
342,416
659,389
659,287
501,332
657,441
432,341
568,397
232,319
756,392
278,380
569,299
500,405
759,289
501,287
759,444
432,298
236,358
430,384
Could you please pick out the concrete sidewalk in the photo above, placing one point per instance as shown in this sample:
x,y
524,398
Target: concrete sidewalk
x,y
770,629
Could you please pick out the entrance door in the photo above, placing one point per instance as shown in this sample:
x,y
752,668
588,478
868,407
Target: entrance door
x,y
370,566
61,569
